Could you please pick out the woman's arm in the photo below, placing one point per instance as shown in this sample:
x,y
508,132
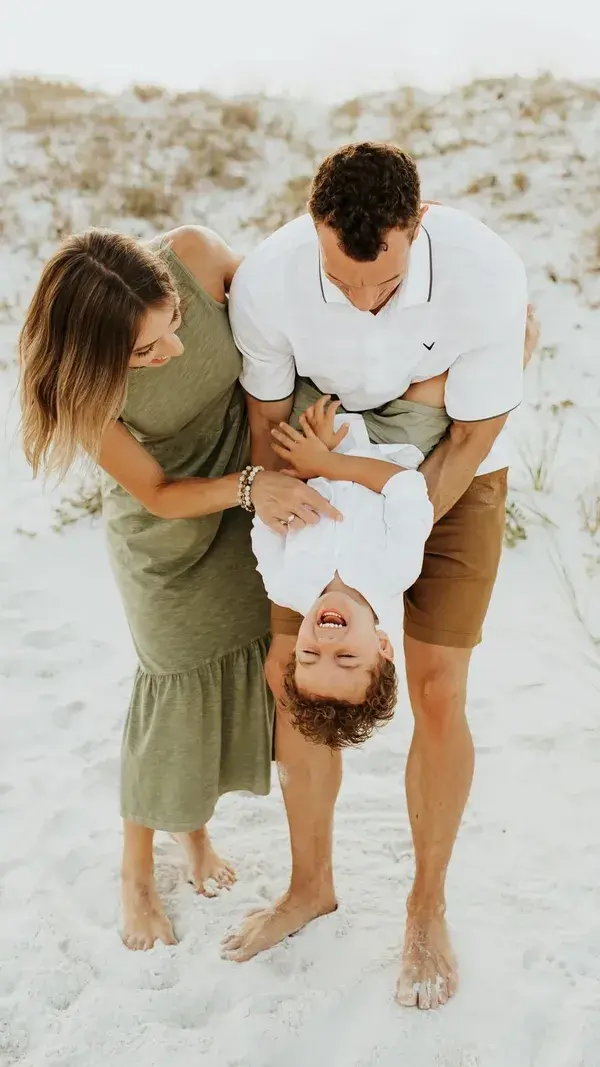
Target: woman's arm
x,y
274,496
128,462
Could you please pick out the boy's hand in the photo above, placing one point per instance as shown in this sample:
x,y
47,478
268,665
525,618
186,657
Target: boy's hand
x,y
307,455
319,417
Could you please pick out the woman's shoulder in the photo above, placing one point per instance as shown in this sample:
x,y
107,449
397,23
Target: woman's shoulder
x,y
206,255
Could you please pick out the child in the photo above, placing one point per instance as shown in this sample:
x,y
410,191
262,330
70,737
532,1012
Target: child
x,y
346,578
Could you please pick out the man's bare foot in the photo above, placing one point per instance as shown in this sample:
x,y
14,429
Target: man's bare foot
x,y
144,921
429,975
266,927
208,872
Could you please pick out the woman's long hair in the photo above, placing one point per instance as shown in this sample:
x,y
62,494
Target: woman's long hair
x,y
77,339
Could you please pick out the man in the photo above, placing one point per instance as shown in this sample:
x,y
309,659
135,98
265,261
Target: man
x,y
368,293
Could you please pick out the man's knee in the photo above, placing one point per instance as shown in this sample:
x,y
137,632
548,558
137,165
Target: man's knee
x,y
437,686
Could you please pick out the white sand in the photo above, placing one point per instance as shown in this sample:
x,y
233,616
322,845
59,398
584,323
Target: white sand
x,y
524,884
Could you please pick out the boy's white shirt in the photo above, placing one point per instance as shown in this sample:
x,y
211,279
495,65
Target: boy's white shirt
x,y
377,548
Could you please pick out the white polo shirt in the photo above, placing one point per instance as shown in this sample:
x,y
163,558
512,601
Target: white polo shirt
x,y
462,307
395,524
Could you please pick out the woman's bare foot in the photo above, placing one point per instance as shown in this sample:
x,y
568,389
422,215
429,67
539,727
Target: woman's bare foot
x,y
429,974
144,921
208,872
266,927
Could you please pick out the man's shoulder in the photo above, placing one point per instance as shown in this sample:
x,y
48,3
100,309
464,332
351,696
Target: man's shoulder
x,y
282,249
456,234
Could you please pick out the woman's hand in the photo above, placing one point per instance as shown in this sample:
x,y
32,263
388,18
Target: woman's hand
x,y
319,417
282,502
306,454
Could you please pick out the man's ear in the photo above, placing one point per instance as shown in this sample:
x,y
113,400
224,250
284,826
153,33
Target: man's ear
x,y
422,213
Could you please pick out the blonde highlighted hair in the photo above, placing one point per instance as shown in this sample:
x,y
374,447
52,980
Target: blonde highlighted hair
x,y
77,340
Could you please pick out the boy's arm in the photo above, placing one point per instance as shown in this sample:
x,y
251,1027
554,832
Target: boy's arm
x,y
306,456
374,474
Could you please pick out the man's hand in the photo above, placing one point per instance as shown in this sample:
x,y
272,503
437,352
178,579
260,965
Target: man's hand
x,y
532,334
306,454
319,417
281,501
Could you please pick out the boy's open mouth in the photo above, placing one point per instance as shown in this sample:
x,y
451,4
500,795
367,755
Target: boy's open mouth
x,y
332,619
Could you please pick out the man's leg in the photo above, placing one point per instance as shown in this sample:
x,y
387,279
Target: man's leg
x,y
444,614
310,777
439,772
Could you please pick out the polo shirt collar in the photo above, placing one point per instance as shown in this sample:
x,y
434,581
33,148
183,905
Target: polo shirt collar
x,y
417,286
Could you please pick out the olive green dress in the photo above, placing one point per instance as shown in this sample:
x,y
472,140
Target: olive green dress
x,y
200,718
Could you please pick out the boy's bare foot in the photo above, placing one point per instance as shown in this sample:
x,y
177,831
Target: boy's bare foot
x,y
266,927
429,975
208,872
144,921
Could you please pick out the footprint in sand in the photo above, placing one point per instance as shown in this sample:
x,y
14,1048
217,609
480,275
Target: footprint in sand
x,y
47,639
63,716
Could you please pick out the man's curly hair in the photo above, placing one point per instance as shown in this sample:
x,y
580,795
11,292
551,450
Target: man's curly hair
x,y
362,191
336,723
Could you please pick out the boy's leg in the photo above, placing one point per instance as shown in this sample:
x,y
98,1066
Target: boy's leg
x,y
144,920
310,777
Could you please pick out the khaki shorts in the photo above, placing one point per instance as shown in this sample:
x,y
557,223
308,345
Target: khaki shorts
x,y
448,603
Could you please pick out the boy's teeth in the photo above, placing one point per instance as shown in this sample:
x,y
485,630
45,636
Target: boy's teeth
x,y
332,619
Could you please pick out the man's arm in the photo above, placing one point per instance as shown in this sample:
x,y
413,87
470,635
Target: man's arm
x,y
263,416
485,383
451,467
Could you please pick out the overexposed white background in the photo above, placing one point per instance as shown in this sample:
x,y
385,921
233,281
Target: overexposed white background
x,y
321,47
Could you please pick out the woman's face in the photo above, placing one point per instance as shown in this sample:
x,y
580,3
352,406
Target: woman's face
x,y
157,341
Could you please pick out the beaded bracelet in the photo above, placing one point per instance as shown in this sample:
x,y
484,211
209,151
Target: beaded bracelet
x,y
244,493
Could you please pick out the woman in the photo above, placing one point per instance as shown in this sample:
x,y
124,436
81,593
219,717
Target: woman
x,y
126,353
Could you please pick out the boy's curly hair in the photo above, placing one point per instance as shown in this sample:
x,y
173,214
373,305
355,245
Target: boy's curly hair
x,y
362,191
336,723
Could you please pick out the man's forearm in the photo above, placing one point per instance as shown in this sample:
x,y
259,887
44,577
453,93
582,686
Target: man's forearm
x,y
263,417
261,452
450,468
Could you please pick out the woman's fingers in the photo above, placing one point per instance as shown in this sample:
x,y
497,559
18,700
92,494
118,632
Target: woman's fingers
x,y
318,504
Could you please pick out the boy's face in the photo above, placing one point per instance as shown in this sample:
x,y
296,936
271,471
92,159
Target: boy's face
x,y
338,647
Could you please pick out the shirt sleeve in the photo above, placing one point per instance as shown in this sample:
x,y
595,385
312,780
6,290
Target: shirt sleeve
x,y
408,515
268,370
269,551
487,380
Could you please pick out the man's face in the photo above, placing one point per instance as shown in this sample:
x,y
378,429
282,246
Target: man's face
x,y
368,286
